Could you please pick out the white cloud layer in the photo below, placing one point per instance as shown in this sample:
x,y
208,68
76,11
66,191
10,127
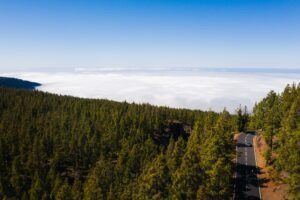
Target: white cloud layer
x,y
195,90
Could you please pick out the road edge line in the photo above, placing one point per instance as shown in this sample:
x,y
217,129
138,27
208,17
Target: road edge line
x,y
257,177
235,172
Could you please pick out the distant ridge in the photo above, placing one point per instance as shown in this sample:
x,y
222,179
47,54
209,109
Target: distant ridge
x,y
17,83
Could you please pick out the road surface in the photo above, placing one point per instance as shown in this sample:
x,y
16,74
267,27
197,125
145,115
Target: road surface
x,y
246,183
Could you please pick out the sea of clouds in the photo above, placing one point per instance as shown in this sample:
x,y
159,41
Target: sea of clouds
x,y
174,88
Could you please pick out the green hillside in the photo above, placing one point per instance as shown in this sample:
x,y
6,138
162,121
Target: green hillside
x,y
59,147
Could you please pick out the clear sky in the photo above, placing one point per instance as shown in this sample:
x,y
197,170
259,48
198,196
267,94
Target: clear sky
x,y
66,34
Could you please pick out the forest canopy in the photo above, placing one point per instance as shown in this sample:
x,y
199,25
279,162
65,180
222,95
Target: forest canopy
x,y
60,147
277,117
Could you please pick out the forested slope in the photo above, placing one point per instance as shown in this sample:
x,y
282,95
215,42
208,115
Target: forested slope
x,y
59,147
278,118
17,83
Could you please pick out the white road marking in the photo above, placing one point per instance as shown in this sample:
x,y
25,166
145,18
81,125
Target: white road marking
x,y
257,173
246,159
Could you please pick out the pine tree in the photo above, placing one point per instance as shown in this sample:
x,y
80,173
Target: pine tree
x,y
154,180
16,179
64,192
37,190
189,176
240,125
174,157
92,191
77,190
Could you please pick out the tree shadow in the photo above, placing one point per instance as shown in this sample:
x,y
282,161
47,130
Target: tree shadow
x,y
247,182
250,132
242,145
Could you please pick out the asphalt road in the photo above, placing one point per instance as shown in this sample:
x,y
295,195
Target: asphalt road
x,y
246,184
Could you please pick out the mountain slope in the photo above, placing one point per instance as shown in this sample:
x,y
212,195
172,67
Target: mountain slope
x,y
17,83
59,147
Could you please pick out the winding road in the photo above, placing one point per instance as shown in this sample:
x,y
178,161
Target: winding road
x,y
246,182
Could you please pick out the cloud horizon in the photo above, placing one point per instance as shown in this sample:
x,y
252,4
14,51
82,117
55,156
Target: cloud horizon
x,y
178,89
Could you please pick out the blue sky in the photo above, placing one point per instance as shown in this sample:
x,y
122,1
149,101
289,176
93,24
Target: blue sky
x,y
61,35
